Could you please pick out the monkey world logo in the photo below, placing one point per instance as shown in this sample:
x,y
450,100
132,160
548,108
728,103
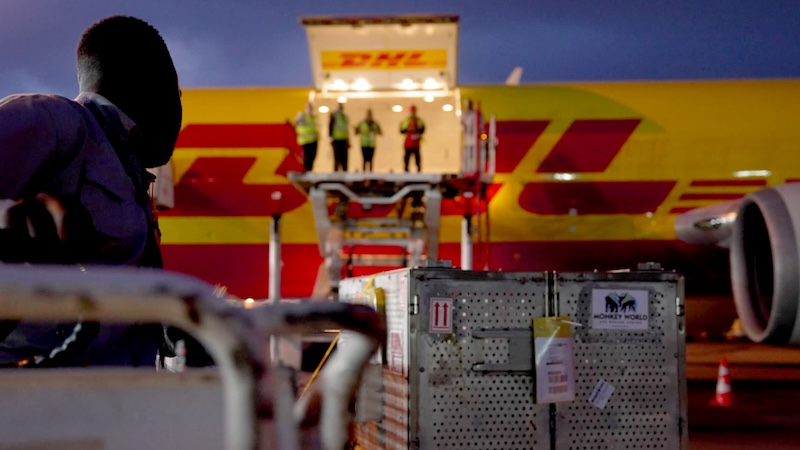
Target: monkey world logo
x,y
620,303
620,310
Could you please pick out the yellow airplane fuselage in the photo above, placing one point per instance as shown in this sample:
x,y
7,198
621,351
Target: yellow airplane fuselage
x,y
589,176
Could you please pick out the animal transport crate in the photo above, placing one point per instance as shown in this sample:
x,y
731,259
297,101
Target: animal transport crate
x,y
459,369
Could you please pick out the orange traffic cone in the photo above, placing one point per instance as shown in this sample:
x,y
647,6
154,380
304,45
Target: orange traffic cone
x,y
724,395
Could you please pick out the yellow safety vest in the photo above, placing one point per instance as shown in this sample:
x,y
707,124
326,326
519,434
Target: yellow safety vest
x,y
367,132
306,130
340,130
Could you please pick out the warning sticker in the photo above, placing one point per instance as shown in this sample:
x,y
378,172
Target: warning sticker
x,y
441,315
621,309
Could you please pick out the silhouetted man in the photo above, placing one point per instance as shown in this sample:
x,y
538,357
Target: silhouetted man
x,y
75,183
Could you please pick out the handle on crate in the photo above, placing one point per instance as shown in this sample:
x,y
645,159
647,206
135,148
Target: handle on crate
x,y
520,348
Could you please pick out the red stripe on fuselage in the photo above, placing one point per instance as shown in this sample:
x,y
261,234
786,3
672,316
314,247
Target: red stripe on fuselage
x,y
516,137
712,196
244,269
588,146
594,197
709,264
221,135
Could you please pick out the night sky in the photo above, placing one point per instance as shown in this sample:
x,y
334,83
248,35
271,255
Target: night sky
x,y
261,42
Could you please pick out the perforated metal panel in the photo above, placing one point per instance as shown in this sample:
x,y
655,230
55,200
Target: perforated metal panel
x,y
475,389
647,409
469,382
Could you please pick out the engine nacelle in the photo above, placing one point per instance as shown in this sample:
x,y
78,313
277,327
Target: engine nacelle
x,y
708,225
765,264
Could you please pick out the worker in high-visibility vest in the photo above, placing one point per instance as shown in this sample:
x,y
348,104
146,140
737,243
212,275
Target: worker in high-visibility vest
x,y
413,127
368,129
305,126
339,132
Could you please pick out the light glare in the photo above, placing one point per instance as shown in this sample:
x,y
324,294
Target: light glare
x,y
361,84
752,173
408,83
339,85
430,83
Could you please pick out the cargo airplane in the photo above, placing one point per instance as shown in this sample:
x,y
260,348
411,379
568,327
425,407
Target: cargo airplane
x,y
588,176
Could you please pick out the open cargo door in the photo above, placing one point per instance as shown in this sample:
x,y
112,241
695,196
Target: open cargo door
x,y
387,64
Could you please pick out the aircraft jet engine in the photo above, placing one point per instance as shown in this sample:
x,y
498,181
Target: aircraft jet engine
x,y
762,231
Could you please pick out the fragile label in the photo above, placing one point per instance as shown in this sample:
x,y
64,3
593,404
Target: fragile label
x,y
601,394
396,351
620,309
441,315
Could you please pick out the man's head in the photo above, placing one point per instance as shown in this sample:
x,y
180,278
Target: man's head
x,y
125,60
413,110
341,106
369,114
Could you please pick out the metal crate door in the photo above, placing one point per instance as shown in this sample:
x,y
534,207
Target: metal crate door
x,y
631,384
471,386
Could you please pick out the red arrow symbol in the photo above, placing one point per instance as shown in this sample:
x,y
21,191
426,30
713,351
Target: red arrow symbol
x,y
445,315
436,316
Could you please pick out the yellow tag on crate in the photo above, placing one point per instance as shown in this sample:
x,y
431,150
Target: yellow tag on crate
x,y
554,358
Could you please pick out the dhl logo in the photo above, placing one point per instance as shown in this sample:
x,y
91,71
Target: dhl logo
x,y
213,185
384,60
222,210
637,161
229,209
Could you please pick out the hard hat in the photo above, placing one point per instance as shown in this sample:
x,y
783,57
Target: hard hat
x,y
413,108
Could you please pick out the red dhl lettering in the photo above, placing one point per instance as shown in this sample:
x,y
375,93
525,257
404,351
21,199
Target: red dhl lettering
x,y
355,59
385,59
415,59
382,60
230,196
388,59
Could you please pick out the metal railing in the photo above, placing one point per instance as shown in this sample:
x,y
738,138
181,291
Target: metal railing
x,y
237,338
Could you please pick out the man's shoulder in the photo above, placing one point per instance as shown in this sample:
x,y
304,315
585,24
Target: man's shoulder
x,y
38,101
41,109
